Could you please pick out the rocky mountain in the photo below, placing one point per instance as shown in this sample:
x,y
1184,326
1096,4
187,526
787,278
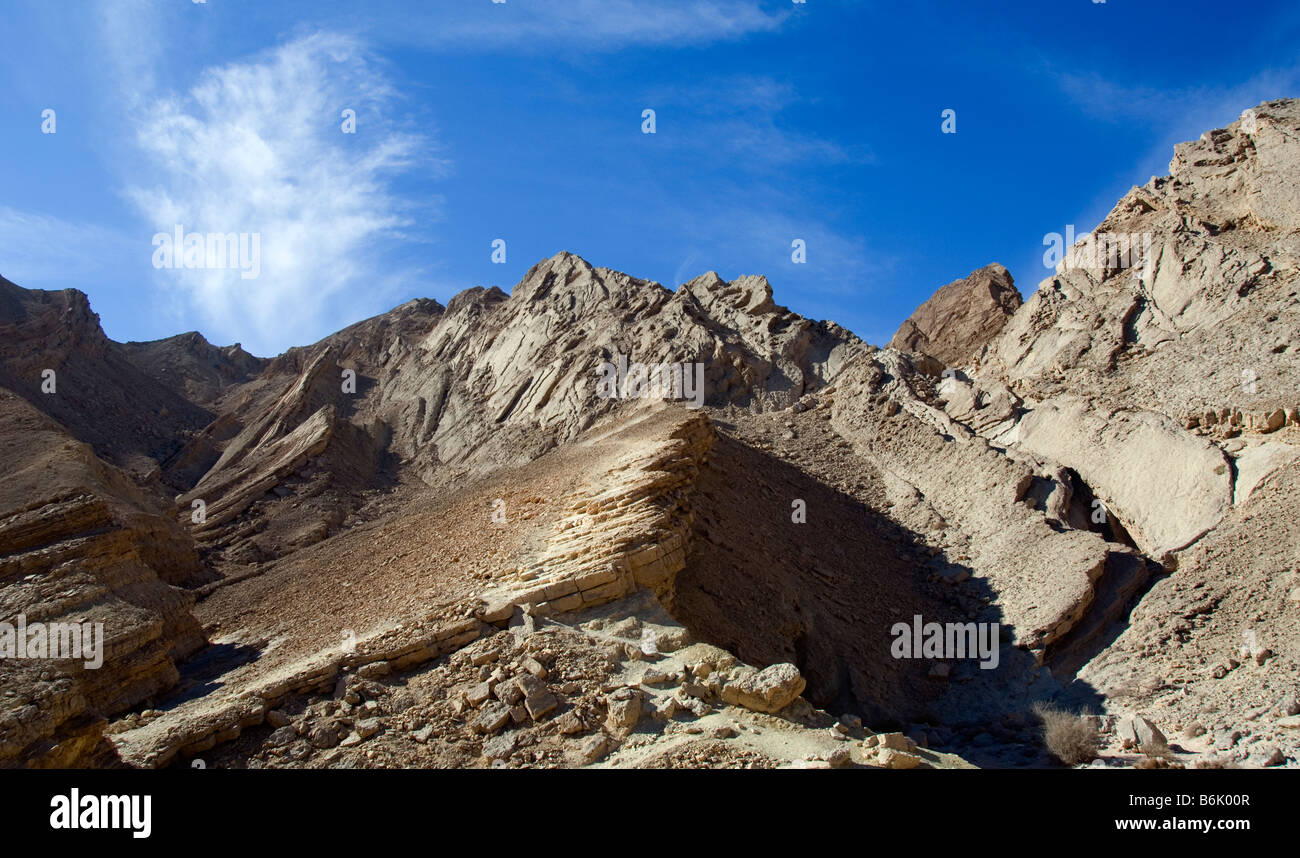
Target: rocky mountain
x,y
441,537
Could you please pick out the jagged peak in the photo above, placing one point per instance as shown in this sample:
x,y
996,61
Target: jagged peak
x,y
475,295
751,293
193,338
961,317
570,264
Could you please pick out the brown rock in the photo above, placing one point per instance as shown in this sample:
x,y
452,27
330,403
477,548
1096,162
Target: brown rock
x,y
958,320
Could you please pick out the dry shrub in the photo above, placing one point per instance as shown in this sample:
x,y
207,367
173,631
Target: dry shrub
x,y
1070,738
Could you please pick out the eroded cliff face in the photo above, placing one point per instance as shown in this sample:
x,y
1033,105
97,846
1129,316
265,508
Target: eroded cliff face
x,y
1162,383
79,545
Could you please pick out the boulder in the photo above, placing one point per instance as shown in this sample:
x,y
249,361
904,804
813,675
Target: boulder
x,y
768,690
958,320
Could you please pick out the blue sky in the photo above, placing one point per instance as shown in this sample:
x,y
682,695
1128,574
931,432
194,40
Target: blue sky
x,y
523,121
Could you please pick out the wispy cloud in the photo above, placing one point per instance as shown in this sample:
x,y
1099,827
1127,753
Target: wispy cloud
x,y
130,41
1174,115
749,240
257,147
741,121
1194,107
40,250
590,25
841,268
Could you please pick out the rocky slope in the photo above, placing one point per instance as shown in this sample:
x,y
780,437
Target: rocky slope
x,y
1164,385
81,543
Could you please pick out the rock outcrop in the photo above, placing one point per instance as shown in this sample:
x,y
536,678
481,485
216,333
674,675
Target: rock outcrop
x,y
956,322
79,547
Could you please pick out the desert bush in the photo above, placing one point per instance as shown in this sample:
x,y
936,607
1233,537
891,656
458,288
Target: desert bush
x,y
1070,738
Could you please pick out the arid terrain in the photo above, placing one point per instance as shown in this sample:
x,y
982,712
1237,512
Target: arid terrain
x,y
430,540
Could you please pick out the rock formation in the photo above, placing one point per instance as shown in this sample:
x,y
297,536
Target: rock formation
x,y
957,321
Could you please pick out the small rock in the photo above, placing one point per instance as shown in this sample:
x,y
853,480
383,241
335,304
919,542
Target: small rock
x,y
767,690
896,741
649,644
507,692
592,749
654,677
1138,732
282,736
492,719
323,736
374,670
478,694
891,759
569,723
665,708
624,710
499,747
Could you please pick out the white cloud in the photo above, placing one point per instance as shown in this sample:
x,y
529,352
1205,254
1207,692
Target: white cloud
x,y
257,147
599,25
130,41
